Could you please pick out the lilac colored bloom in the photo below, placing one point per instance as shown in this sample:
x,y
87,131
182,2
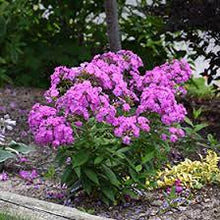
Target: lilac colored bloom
x,y
179,189
164,137
49,128
36,186
4,176
24,134
177,182
28,175
126,107
55,195
126,140
168,190
3,109
176,132
111,89
13,105
23,160
78,123
173,138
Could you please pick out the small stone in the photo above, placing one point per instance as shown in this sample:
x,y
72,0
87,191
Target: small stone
x,y
207,200
157,203
182,208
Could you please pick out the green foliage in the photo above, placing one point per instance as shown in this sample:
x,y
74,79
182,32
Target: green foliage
x,y
36,37
5,216
143,36
51,172
12,149
197,88
106,168
193,138
193,174
195,135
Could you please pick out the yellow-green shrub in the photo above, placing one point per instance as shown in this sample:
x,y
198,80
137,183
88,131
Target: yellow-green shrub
x,y
192,174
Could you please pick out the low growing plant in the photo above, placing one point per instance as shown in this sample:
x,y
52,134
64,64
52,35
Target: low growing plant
x,y
109,122
192,174
197,88
194,135
10,149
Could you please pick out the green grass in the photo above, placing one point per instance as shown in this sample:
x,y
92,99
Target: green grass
x,y
5,216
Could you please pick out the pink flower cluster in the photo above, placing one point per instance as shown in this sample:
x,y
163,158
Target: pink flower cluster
x,y
4,176
111,89
28,175
48,128
178,187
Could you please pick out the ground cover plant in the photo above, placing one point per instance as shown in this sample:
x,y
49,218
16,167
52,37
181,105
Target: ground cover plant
x,y
110,123
5,216
10,148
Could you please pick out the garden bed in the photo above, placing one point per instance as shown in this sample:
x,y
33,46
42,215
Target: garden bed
x,y
17,102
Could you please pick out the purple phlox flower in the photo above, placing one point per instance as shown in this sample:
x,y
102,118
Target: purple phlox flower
x,y
28,175
4,176
23,160
111,89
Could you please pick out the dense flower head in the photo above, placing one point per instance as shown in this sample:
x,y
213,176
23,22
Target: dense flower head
x,y
38,114
171,75
111,89
61,74
161,100
48,128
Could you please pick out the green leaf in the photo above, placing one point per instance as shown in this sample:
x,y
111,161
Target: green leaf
x,y
68,175
123,149
200,127
98,160
188,121
149,156
80,158
108,192
138,168
111,176
133,174
21,148
78,171
173,192
4,155
130,193
91,174
2,26
50,174
86,185
197,113
105,200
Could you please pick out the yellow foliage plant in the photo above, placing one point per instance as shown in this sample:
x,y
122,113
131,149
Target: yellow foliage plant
x,y
193,174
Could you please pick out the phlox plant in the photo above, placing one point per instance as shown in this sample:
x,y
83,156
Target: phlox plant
x,y
109,122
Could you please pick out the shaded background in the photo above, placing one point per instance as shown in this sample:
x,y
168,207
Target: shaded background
x,y
36,36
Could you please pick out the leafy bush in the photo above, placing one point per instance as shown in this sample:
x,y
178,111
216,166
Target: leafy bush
x,y
109,122
197,88
193,174
195,135
36,36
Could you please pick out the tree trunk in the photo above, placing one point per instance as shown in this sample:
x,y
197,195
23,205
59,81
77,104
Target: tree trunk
x,y
112,25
